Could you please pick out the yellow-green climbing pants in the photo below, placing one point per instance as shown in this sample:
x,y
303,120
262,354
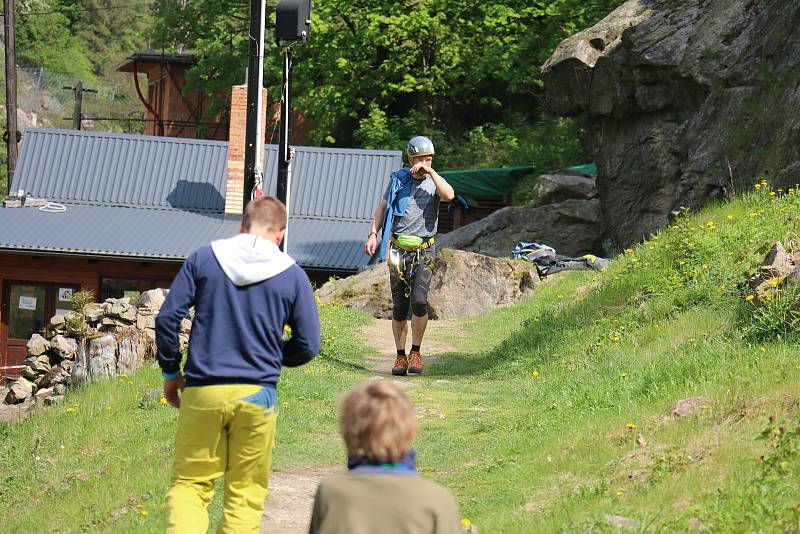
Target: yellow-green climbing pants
x,y
223,430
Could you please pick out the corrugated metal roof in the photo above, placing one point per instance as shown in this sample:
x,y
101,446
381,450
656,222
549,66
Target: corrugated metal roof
x,y
168,234
102,168
162,198
112,231
334,182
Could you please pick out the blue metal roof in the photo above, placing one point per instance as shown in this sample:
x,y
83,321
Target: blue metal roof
x,y
101,168
111,231
161,197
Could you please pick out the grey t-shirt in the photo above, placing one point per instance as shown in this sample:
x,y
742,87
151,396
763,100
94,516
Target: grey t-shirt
x,y
422,213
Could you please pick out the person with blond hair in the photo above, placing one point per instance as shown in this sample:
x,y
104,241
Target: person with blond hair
x,y
381,492
244,291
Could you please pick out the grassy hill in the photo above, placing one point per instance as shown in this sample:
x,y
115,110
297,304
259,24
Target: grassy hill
x,y
551,416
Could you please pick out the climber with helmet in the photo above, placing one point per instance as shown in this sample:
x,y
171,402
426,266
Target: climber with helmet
x,y
408,213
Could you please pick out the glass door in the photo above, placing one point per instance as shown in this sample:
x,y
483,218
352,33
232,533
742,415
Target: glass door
x,y
27,309
25,306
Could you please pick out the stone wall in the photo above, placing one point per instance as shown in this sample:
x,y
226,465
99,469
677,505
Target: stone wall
x,y
104,340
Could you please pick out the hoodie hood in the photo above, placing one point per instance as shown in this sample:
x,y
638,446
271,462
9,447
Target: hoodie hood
x,y
248,259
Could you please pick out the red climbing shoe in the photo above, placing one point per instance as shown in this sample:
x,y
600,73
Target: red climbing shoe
x,y
400,366
414,362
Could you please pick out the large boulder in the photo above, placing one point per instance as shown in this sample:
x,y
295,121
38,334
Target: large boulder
x,y
464,284
152,299
681,96
20,390
573,227
467,284
64,347
37,345
559,186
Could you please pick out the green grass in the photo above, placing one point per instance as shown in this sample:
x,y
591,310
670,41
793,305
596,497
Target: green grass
x,y
103,463
533,420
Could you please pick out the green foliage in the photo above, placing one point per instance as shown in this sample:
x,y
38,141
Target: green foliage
x,y
80,300
374,74
46,40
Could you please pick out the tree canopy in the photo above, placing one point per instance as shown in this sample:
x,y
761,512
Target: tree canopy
x,y
376,72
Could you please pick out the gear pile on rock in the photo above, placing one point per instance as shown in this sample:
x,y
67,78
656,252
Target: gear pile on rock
x,y
107,339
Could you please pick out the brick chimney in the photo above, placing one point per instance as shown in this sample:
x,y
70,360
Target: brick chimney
x,y
234,189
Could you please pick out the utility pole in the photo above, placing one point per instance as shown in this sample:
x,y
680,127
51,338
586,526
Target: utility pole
x,y
11,90
78,90
253,145
292,23
285,152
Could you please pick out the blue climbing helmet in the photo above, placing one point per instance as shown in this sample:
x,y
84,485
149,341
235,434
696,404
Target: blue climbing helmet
x,y
419,146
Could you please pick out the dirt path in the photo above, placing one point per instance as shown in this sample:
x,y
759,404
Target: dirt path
x,y
378,335
291,498
291,493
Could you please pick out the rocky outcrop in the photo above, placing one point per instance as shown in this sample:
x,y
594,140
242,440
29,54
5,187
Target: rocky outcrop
x,y
573,227
686,100
779,268
464,284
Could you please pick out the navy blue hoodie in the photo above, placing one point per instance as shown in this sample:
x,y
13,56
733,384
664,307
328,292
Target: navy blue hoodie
x,y
244,290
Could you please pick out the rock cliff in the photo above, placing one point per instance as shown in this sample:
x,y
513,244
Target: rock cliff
x,y
687,101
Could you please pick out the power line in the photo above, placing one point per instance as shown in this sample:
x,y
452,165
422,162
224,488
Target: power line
x,y
83,10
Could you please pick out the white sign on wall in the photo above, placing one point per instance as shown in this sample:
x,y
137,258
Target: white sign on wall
x,y
27,303
64,293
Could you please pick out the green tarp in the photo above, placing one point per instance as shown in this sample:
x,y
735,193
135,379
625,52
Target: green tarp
x,y
488,183
485,183
587,168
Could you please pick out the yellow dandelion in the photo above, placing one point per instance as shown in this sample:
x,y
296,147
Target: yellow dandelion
x,y
630,426
705,266
620,493
535,374
144,513
774,282
762,349
163,401
758,187
623,375
122,375
70,409
748,298
730,217
465,522
772,193
628,251
615,338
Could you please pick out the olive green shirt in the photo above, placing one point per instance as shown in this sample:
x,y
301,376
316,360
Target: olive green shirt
x,y
354,503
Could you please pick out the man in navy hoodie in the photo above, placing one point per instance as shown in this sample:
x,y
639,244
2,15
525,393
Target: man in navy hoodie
x,y
244,290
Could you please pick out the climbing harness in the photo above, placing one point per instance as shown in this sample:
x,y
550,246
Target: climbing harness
x,y
407,258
